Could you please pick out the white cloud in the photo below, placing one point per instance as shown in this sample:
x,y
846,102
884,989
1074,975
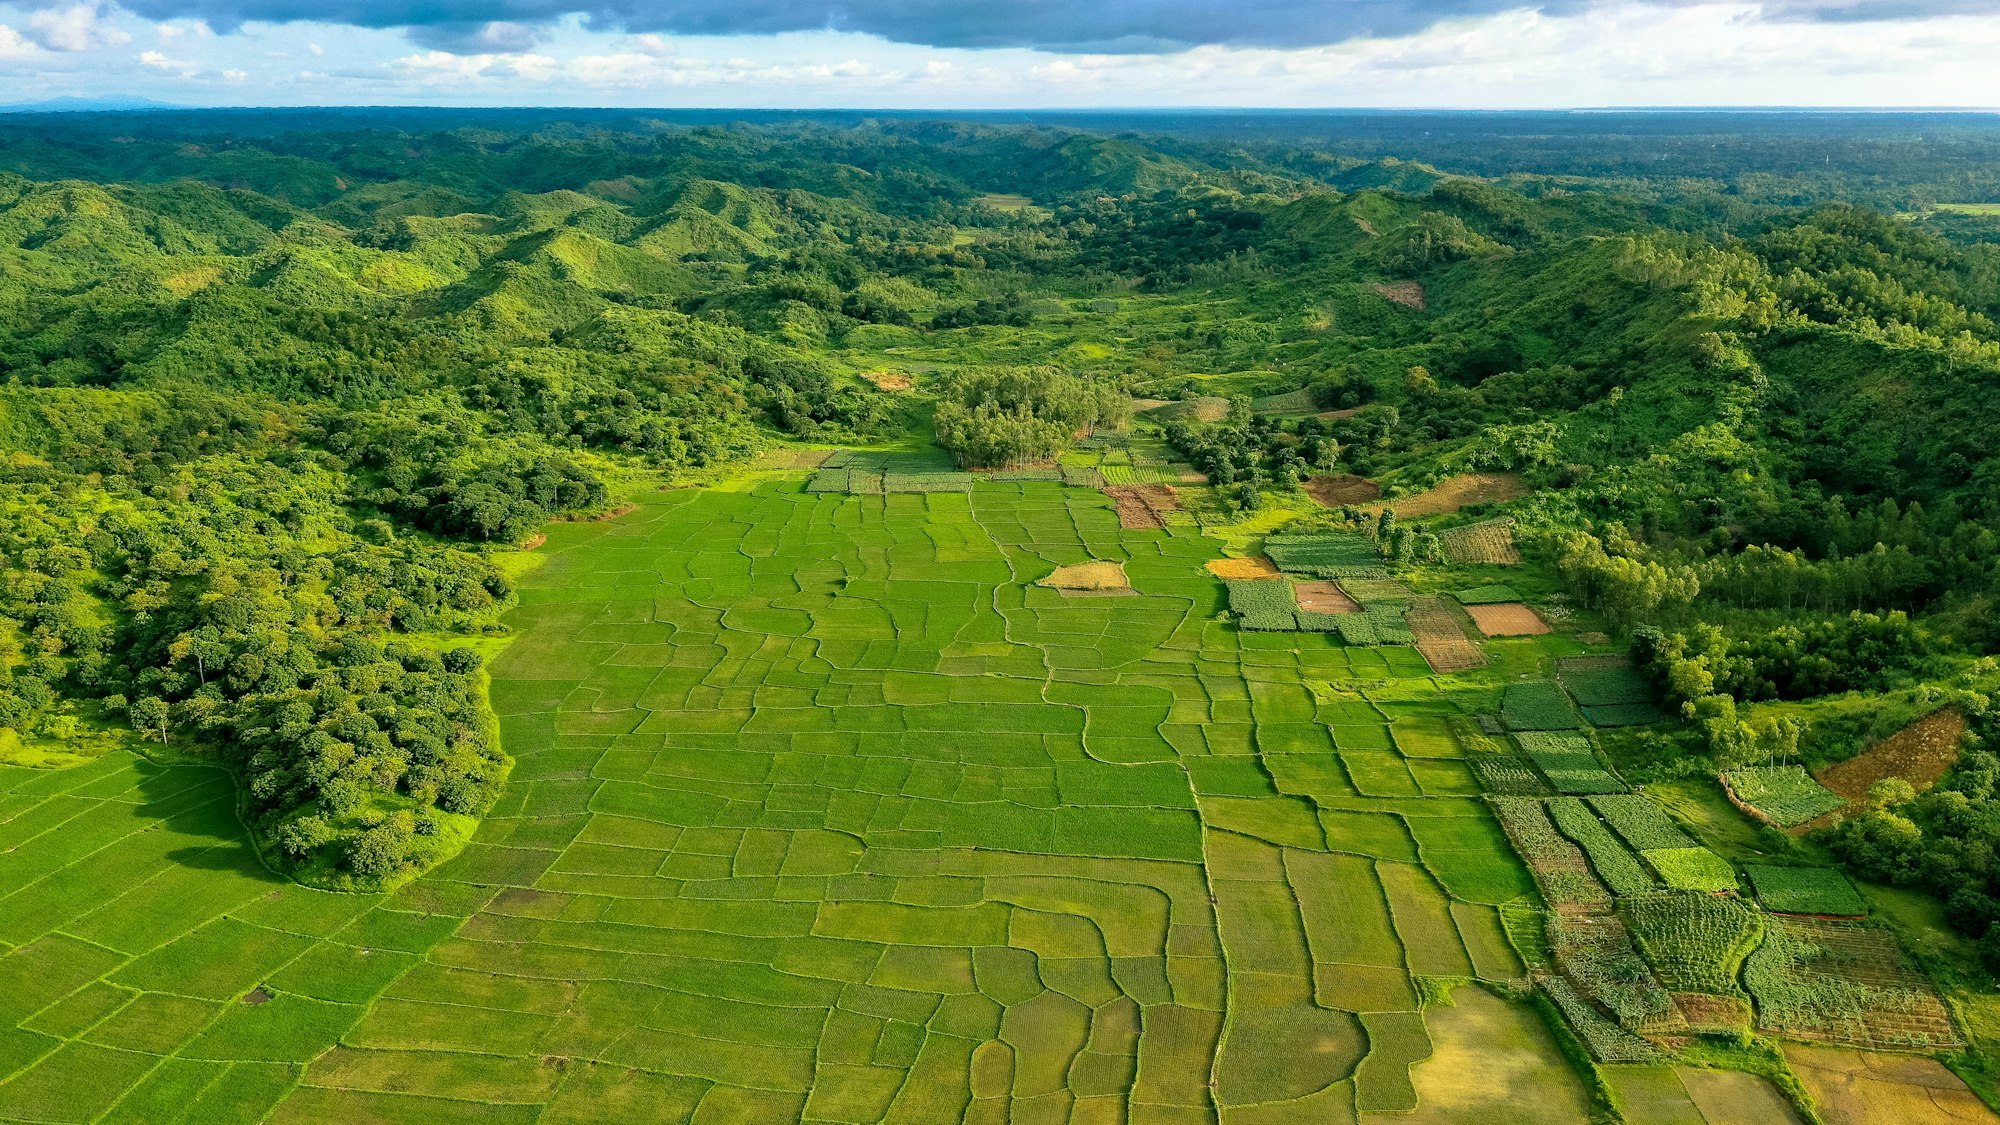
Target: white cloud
x,y
158,60
14,45
78,27
445,67
1608,52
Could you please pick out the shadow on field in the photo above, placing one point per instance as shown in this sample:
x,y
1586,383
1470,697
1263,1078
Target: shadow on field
x,y
197,804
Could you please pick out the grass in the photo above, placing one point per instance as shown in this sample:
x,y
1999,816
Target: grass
x,y
816,793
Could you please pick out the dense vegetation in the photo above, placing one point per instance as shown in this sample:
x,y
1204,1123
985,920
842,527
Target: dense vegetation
x,y
275,385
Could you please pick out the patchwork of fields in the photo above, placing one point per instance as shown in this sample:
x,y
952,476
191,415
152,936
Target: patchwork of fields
x,y
822,810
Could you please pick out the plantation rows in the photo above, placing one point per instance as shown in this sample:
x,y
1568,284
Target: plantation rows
x,y
1649,932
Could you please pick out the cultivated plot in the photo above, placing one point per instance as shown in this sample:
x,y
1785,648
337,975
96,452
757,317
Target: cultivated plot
x,y
824,810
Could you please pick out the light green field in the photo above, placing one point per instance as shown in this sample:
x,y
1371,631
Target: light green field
x,y
823,812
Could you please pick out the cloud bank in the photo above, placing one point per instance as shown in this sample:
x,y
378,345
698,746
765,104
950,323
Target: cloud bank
x,y
1096,26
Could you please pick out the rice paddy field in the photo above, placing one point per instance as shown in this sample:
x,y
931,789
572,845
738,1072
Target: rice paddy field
x,y
825,809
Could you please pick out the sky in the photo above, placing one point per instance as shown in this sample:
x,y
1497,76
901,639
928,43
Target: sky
x,y
965,54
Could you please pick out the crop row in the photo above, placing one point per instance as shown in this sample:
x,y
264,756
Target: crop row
x,y
1565,758
1692,869
1696,942
1596,953
1805,890
1844,981
1786,794
1537,705
1505,775
1558,866
1606,687
1615,863
1332,549
1641,821
1606,1041
1488,542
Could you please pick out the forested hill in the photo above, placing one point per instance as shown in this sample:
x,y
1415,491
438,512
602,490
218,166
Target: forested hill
x,y
274,387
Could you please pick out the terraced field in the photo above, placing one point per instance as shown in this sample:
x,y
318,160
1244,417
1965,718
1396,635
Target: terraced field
x,y
822,811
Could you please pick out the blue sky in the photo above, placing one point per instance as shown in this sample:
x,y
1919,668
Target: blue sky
x,y
1013,54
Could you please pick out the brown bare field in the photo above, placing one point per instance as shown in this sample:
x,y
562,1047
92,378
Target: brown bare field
x,y
1864,1088
1323,597
1141,505
1256,566
1507,619
1443,644
1101,575
1346,488
534,541
1457,492
1920,754
891,380
1731,1097
1406,293
1704,1012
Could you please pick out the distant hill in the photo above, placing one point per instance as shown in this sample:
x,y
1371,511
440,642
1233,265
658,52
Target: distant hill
x,y
72,104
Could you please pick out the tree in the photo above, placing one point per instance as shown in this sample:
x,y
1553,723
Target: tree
x,y
150,715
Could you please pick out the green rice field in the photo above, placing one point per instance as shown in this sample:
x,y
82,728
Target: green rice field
x,y
821,811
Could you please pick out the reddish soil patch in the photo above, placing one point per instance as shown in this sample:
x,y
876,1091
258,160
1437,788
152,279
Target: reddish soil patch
x,y
1507,619
891,380
1920,754
1444,645
1143,505
1460,491
1406,293
1705,1012
1336,491
1325,597
1256,566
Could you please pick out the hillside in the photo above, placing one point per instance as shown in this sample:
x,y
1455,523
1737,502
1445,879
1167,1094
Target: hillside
x,y
1053,584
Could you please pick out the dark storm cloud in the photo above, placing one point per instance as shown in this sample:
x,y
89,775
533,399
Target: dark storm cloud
x,y
1111,26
